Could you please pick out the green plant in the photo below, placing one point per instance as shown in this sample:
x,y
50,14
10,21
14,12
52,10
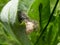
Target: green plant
x,y
45,13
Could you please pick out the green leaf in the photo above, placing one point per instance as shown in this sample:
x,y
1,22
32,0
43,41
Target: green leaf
x,y
33,12
24,5
53,32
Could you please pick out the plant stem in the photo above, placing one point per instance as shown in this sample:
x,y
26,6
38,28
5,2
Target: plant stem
x,y
51,15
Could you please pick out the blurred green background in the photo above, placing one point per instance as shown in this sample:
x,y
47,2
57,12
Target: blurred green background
x,y
14,34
